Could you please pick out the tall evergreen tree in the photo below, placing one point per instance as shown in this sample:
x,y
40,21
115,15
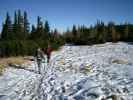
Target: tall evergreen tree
x,y
33,29
100,34
7,28
114,35
126,31
46,34
20,25
55,33
47,28
26,25
40,29
109,31
39,22
15,25
33,33
74,31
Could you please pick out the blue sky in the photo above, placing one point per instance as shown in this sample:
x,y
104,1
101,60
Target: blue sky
x,y
62,14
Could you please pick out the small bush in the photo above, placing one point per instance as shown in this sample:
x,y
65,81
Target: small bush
x,y
2,68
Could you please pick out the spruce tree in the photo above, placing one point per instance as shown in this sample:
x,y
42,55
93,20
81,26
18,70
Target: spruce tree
x,y
40,29
7,28
55,33
99,32
47,28
74,31
126,31
46,34
33,35
39,22
26,25
15,25
109,31
20,25
114,35
33,29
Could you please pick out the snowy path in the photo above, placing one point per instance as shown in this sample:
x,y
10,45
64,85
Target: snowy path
x,y
75,73
110,74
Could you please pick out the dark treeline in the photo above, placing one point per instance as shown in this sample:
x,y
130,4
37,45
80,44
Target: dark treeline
x,y
18,37
99,33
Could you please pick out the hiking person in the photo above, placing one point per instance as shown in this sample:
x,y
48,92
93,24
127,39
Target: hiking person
x,y
48,52
39,57
44,53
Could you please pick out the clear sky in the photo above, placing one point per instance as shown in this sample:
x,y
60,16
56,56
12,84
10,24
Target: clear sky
x,y
64,13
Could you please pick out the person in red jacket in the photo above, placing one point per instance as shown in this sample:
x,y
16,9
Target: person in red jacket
x,y
48,53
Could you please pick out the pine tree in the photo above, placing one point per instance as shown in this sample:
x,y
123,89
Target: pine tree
x,y
47,28
126,31
15,25
74,31
56,34
26,25
114,35
33,29
109,31
33,33
100,34
103,32
20,25
7,28
39,30
39,22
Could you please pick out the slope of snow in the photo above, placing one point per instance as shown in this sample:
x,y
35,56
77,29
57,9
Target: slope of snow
x,y
110,74
75,73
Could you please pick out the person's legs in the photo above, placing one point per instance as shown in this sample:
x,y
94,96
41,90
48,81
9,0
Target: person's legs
x,y
48,58
39,66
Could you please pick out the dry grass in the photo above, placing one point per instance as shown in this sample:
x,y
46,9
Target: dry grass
x,y
11,60
2,68
99,45
118,61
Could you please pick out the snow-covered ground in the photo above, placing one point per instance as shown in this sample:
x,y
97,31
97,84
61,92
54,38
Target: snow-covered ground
x,y
98,72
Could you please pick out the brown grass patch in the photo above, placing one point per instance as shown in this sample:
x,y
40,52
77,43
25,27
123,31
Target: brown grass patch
x,y
2,68
12,60
99,45
118,61
4,62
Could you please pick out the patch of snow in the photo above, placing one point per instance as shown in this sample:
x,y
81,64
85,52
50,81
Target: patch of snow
x,y
108,75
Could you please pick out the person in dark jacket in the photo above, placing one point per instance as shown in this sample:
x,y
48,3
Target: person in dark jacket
x,y
48,52
39,57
